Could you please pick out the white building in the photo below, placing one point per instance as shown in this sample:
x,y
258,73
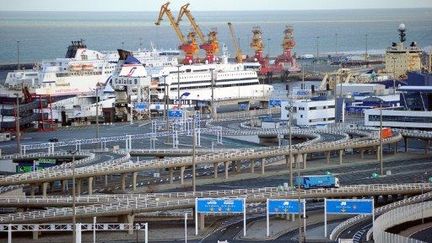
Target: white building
x,y
310,112
399,118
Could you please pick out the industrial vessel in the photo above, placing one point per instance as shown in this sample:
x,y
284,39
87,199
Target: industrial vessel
x,y
79,71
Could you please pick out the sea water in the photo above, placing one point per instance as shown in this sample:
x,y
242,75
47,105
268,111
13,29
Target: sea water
x,y
45,35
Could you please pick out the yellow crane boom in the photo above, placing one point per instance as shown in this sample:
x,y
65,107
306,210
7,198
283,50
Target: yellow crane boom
x,y
239,54
166,11
185,11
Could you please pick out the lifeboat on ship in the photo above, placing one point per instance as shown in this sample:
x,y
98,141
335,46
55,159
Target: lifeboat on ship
x,y
75,67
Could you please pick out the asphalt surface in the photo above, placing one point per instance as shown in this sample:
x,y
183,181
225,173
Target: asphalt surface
x,y
75,133
424,235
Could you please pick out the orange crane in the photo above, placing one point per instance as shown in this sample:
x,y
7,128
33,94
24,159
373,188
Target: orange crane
x,y
211,45
188,46
287,60
257,44
239,54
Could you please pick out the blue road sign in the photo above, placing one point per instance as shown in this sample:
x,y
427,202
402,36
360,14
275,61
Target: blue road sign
x,y
284,206
141,106
349,206
274,103
243,106
220,205
175,113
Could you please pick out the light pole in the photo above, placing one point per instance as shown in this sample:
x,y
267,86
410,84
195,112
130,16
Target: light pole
x,y
73,195
336,42
178,85
212,93
290,144
381,142
166,101
193,155
301,237
366,43
131,108
394,75
97,110
17,125
18,55
268,43
317,47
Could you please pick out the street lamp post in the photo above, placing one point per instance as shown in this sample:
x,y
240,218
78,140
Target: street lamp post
x,y
193,155
97,110
166,101
300,226
17,125
336,43
366,45
178,85
131,109
212,93
73,195
317,47
290,145
268,43
394,75
18,55
381,143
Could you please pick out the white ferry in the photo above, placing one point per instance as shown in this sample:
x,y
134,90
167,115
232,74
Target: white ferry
x,y
195,82
80,71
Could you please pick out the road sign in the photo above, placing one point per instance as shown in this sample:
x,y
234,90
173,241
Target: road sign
x,y
275,103
202,103
175,114
284,206
347,206
46,161
141,106
220,205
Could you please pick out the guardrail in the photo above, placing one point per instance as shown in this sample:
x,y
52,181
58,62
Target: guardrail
x,y
151,204
118,166
378,211
399,216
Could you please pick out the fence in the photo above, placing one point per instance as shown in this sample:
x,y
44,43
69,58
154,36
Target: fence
x,y
399,216
10,228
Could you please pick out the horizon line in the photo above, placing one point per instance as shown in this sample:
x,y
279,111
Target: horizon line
x,y
229,10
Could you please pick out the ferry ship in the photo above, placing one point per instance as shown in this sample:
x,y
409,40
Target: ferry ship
x,y
80,71
196,82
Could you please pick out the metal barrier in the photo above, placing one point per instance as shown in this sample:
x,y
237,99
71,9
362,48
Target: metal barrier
x,y
152,204
79,228
378,211
399,216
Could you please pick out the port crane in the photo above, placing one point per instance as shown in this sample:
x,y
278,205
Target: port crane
x,y
284,63
239,54
210,45
257,44
189,45
287,60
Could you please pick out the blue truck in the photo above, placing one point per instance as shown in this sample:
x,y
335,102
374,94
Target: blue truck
x,y
317,181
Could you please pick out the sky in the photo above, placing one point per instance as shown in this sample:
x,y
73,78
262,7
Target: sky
x,y
205,5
